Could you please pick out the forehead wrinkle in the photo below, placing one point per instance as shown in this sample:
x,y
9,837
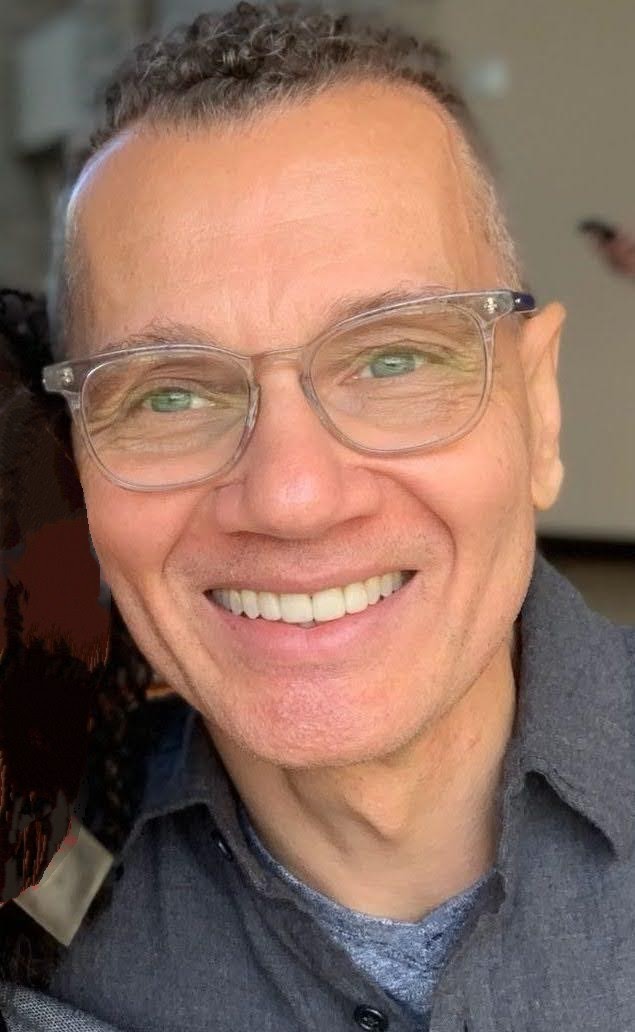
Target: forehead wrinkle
x,y
343,308
81,292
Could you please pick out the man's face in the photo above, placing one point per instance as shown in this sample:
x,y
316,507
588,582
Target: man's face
x,y
253,234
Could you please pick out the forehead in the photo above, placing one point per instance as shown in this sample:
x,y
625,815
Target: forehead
x,y
255,228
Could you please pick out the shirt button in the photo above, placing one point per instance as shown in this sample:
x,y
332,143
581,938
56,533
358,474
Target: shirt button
x,y
222,846
371,1020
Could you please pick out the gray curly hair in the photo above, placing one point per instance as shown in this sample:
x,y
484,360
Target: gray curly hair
x,y
231,66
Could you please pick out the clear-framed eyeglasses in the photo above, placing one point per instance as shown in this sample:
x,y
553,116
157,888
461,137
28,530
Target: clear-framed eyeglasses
x,y
394,381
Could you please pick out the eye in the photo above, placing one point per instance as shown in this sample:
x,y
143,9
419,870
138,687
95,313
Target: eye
x,y
392,363
173,400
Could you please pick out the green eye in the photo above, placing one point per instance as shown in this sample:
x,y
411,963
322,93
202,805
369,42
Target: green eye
x,y
392,364
172,401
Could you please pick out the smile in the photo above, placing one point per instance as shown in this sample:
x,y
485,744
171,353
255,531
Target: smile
x,y
308,610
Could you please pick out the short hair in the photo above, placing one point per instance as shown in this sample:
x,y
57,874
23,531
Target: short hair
x,y
229,66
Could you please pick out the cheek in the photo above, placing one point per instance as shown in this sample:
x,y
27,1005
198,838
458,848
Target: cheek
x,y
479,493
133,533
495,498
497,485
480,490
493,530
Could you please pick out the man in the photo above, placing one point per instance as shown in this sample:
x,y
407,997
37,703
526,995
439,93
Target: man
x,y
400,794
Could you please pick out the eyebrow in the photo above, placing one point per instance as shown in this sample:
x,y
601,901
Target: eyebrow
x,y
347,306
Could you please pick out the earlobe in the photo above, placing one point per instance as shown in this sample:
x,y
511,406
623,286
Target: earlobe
x,y
546,487
540,347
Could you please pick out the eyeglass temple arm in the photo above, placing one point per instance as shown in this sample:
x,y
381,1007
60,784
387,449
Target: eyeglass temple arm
x,y
524,303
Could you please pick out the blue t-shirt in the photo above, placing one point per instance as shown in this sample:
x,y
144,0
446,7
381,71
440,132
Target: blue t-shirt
x,y
405,958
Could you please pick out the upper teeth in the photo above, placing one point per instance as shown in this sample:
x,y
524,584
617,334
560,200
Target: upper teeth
x,y
330,604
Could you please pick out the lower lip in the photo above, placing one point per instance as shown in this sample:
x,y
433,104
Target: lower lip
x,y
274,640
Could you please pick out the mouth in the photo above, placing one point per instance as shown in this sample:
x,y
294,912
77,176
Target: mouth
x,y
308,610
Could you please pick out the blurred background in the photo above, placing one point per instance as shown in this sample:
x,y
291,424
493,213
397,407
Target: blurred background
x,y
551,85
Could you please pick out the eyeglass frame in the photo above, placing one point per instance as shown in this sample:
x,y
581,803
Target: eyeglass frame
x,y
495,304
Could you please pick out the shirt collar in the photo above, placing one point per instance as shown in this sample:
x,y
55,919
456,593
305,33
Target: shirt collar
x,y
185,770
573,725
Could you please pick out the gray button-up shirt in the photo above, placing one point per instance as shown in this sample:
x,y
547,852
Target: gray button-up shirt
x,y
200,936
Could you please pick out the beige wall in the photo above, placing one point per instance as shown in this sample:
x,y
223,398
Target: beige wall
x,y
564,134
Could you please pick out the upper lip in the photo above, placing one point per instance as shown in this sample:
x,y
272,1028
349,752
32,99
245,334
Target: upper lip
x,y
295,585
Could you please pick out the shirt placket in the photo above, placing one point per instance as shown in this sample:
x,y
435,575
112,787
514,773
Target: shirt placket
x,y
464,999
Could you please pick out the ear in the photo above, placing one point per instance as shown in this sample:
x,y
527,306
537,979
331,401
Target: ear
x,y
539,349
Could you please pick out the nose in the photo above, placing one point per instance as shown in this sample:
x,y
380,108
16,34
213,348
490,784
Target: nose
x,y
295,480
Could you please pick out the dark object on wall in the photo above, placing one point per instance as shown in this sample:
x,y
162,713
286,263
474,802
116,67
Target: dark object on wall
x,y
602,231
615,246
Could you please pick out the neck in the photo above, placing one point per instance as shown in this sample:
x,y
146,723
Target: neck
x,y
398,836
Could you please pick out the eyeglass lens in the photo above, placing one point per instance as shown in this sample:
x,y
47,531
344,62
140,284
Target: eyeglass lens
x,y
393,382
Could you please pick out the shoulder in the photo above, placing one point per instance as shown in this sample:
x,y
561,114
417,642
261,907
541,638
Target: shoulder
x,y
567,643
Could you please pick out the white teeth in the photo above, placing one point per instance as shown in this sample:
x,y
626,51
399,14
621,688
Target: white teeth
x,y
373,590
386,586
269,605
250,604
330,604
296,608
356,598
